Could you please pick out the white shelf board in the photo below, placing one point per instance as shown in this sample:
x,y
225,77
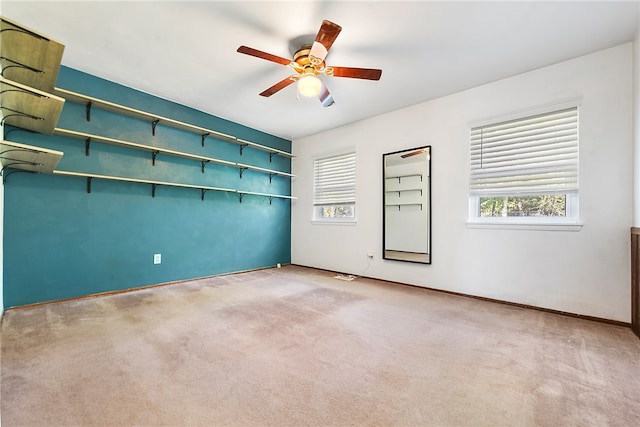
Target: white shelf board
x,y
150,117
165,183
137,146
141,181
174,153
266,194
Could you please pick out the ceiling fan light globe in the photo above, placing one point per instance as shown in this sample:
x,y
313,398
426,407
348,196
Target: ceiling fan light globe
x,y
309,86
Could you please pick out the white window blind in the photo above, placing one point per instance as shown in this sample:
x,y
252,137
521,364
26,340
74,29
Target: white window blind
x,y
335,180
533,155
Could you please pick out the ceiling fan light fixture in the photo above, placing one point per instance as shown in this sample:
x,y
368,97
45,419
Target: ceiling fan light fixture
x,y
309,85
309,62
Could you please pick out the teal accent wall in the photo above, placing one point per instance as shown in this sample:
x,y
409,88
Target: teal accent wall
x,y
62,242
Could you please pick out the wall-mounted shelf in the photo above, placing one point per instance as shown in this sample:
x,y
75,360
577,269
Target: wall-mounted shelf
x,y
29,108
42,160
28,158
29,57
404,204
154,119
241,193
399,177
90,176
154,184
87,137
404,190
270,172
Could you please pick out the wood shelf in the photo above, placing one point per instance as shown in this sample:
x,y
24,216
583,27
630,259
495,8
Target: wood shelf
x,y
271,172
88,137
28,158
29,57
404,190
404,204
154,184
399,177
155,119
140,181
29,108
42,160
30,62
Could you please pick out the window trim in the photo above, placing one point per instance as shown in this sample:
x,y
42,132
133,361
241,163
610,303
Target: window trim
x,y
548,226
565,223
570,222
315,219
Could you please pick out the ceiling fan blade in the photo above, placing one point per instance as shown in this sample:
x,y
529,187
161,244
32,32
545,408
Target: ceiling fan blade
x,y
324,40
264,55
278,86
325,97
414,153
357,73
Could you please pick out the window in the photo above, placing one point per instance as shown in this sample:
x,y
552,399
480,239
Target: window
x,y
525,171
334,188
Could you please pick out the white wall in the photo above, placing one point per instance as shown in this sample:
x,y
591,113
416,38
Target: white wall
x,y
1,243
636,126
1,233
585,272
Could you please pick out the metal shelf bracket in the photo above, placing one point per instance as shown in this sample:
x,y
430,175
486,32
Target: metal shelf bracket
x,y
17,64
18,113
204,163
24,31
88,110
15,163
11,172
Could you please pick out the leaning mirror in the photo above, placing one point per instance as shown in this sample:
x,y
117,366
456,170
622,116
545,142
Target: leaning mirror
x,y
406,215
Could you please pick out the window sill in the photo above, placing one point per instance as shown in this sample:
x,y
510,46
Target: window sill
x,y
572,226
329,222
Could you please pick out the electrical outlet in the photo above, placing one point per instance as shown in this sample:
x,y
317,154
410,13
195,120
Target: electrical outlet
x,y
157,258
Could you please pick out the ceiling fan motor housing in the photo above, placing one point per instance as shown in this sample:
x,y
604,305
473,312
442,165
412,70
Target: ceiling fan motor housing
x,y
304,60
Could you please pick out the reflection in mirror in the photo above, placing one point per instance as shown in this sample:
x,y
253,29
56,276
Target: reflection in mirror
x,y
407,205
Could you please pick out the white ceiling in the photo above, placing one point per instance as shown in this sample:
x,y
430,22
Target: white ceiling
x,y
186,51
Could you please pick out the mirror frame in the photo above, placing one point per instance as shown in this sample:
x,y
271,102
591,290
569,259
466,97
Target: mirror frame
x,y
408,256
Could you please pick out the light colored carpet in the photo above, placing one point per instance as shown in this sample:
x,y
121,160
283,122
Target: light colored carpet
x,y
295,346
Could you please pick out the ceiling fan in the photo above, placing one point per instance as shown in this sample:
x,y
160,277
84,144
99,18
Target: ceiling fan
x,y
414,153
308,62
